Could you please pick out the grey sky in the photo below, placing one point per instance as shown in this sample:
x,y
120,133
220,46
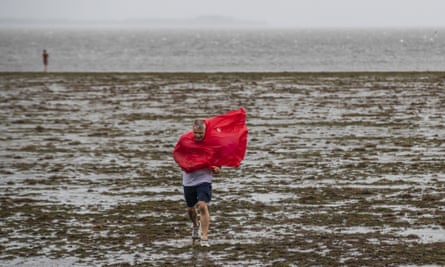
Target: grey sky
x,y
299,13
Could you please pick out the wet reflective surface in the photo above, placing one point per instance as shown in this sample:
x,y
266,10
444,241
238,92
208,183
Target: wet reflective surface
x,y
341,169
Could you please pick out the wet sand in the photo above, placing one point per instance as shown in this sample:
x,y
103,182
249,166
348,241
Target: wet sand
x,y
341,169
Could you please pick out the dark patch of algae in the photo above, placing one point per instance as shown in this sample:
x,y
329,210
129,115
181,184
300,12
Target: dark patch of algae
x,y
349,194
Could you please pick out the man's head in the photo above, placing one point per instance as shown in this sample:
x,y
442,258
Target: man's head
x,y
199,129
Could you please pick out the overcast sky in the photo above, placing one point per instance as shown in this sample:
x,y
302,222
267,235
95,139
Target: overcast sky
x,y
287,13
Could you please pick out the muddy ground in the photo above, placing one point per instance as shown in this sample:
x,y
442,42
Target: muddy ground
x,y
342,169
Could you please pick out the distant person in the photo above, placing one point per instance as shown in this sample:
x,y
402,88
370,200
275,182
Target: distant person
x,y
45,57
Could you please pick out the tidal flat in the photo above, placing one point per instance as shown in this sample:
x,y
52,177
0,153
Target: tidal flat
x,y
341,169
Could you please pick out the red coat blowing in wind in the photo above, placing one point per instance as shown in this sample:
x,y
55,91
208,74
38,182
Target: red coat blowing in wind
x,y
224,143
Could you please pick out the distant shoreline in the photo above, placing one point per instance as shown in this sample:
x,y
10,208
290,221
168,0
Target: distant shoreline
x,y
200,21
204,22
271,73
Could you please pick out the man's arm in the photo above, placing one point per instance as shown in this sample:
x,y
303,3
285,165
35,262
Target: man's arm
x,y
216,169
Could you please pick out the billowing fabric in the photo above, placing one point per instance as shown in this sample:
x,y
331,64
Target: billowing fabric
x,y
224,143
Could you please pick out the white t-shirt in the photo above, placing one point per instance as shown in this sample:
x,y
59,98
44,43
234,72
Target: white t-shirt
x,y
197,177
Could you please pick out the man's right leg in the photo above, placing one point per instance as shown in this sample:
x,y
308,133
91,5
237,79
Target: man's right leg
x,y
193,216
190,196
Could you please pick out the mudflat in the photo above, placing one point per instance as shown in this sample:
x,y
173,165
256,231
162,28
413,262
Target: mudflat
x,y
341,169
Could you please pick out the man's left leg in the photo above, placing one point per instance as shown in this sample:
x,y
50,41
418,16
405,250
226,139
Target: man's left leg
x,y
204,218
204,197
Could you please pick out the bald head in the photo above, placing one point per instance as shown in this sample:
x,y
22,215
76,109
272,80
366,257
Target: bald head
x,y
199,129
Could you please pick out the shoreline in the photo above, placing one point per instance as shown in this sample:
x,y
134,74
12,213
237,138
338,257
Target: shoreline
x,y
247,75
228,72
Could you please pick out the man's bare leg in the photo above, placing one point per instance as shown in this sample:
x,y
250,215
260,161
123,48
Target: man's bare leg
x,y
193,216
205,218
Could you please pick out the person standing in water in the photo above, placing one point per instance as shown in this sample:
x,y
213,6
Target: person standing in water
x,y
45,57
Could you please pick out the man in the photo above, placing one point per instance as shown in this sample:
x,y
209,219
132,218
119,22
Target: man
x,y
200,152
45,57
198,190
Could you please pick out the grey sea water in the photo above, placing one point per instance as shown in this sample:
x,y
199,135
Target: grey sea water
x,y
221,50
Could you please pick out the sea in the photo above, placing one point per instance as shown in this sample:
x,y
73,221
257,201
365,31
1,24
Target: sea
x,y
144,49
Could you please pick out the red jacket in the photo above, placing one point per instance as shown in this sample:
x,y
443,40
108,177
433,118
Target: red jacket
x,y
224,143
